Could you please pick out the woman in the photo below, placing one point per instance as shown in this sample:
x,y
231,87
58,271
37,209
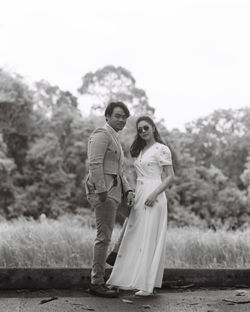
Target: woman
x,y
140,260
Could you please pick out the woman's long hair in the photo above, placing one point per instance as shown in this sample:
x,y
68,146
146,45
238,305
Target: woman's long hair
x,y
138,143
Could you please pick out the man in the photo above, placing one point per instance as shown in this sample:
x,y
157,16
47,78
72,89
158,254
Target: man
x,y
106,185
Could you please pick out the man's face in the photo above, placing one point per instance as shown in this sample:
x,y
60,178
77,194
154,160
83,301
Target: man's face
x,y
118,119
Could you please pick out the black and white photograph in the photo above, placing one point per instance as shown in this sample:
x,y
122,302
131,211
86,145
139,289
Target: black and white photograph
x,y
125,155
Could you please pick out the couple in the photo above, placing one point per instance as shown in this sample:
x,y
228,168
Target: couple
x,y
140,261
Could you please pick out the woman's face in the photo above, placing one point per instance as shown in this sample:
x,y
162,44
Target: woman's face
x,y
145,130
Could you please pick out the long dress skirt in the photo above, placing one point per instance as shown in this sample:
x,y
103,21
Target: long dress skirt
x,y
141,257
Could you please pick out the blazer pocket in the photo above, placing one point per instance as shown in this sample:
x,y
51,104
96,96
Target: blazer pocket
x,y
111,155
110,181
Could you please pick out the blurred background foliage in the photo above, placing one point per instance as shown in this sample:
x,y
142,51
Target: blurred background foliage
x,y
43,152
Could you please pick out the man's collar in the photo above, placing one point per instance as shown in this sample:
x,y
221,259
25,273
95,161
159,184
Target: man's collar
x,y
116,134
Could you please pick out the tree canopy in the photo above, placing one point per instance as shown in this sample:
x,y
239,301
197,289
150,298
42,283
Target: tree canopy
x,y
43,151
114,84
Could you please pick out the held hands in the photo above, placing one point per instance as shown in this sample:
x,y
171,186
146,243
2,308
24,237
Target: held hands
x,y
131,199
151,200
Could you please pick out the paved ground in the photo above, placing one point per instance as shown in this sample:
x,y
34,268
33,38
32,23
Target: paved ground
x,y
168,300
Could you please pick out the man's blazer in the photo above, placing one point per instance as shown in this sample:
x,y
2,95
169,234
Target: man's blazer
x,y
105,158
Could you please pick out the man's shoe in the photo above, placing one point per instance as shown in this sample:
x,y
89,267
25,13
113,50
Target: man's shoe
x,y
111,258
102,291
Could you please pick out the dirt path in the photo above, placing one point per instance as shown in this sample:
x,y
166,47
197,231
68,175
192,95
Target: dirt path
x,y
200,300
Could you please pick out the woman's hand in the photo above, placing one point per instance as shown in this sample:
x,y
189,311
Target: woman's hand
x,y
151,200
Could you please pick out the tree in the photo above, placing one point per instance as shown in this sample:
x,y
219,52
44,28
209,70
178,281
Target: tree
x,y
48,97
222,139
204,189
7,165
15,116
245,178
47,187
56,159
114,84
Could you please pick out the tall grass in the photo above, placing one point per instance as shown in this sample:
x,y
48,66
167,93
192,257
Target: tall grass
x,y
68,242
191,247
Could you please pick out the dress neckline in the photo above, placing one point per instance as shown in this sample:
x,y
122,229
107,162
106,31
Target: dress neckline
x,y
142,154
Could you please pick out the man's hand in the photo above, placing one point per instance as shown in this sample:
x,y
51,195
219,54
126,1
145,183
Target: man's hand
x,y
103,196
131,199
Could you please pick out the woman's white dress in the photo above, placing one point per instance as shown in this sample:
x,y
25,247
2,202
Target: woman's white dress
x,y
141,256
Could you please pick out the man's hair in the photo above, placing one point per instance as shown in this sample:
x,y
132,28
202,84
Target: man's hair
x,y
112,105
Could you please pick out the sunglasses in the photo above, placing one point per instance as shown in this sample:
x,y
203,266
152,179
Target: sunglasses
x,y
145,128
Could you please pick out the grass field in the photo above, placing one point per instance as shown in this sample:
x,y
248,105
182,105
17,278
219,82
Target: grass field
x,y
68,242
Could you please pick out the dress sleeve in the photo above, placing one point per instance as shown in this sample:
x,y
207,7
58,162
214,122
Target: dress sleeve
x,y
164,156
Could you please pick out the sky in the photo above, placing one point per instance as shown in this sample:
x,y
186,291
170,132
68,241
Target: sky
x,y
191,57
